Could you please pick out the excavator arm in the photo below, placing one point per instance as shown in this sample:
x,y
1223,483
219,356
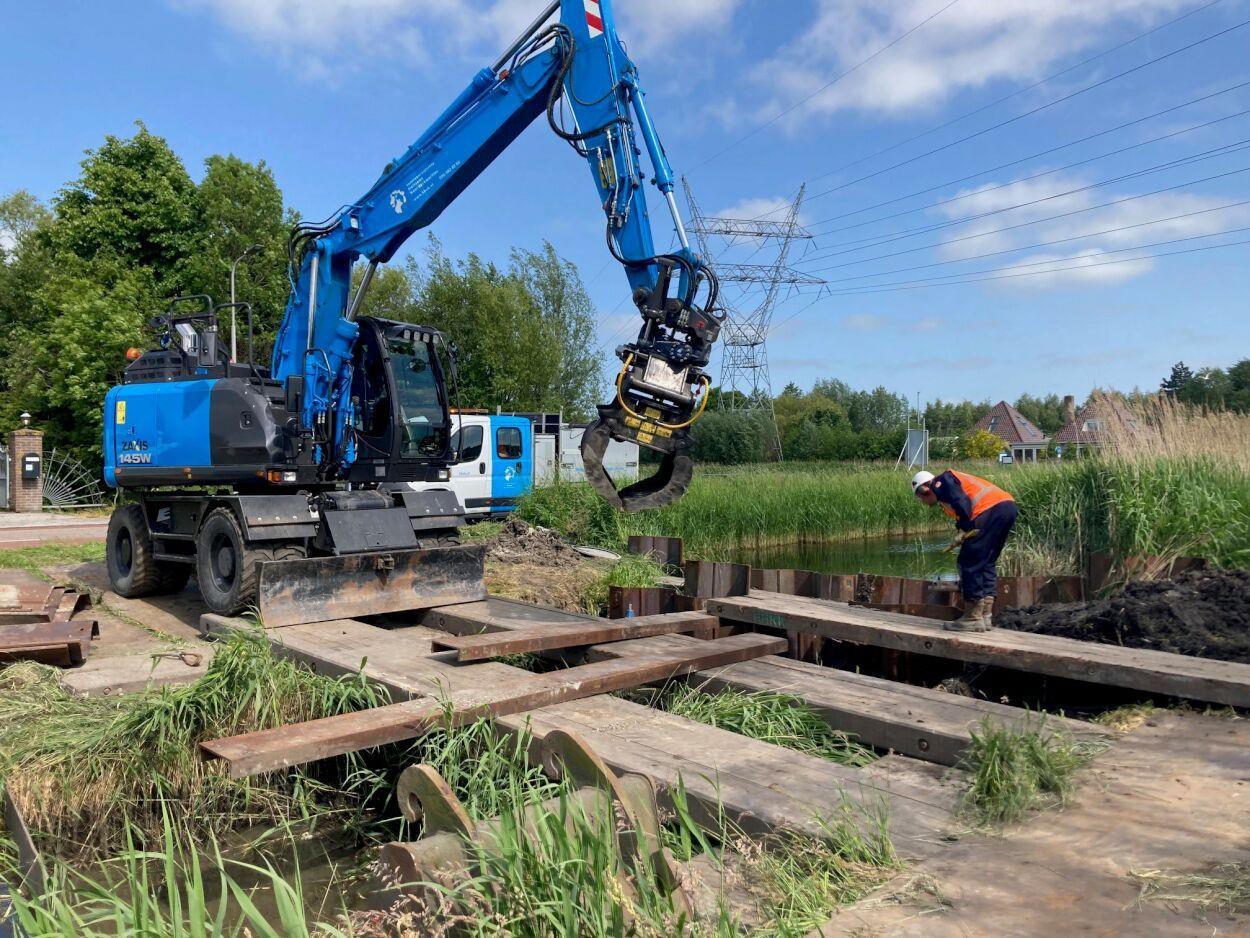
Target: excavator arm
x,y
572,68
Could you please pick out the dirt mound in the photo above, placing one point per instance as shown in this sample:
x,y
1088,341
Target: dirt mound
x,y
519,542
1202,612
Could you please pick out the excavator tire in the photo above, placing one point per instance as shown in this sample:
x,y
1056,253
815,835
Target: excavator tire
x,y
226,566
133,572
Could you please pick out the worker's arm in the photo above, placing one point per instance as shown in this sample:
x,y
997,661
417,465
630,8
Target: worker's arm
x,y
949,492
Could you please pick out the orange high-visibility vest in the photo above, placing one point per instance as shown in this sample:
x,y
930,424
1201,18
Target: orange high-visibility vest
x,y
983,494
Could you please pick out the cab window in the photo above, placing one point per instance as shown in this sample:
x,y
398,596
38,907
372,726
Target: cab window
x,y
508,442
471,449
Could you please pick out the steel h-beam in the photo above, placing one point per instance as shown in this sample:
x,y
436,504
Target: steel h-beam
x,y
744,362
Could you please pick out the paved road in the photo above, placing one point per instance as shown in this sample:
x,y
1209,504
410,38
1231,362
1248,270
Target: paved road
x,y
30,529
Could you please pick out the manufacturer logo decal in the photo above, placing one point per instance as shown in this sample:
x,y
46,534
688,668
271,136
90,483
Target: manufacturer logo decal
x,y
399,199
135,453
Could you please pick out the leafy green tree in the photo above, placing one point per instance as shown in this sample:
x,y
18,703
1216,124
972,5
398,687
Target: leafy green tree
x,y
980,444
117,244
1046,413
239,205
952,418
523,335
731,437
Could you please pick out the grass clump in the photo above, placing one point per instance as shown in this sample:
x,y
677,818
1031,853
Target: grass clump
x,y
81,769
576,512
172,890
1014,772
773,718
34,559
1223,888
481,531
631,570
796,880
1127,718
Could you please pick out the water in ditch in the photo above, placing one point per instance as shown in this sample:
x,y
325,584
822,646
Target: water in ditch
x,y
912,556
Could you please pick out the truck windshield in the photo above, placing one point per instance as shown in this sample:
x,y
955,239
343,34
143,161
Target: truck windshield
x,y
422,411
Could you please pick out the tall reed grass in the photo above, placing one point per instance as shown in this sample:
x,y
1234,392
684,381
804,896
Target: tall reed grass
x,y
747,505
84,771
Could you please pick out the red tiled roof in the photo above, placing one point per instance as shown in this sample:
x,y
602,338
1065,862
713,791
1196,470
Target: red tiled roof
x,y
1007,423
1103,410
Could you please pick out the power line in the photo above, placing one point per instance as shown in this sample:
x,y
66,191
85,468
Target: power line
x,y
879,240
1038,221
1034,156
1043,244
1037,273
1056,260
825,87
1028,113
1036,84
1048,172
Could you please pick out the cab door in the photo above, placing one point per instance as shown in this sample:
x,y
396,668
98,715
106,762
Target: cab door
x,y
471,475
513,452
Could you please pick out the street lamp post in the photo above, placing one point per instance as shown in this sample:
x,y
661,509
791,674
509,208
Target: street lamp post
x,y
234,343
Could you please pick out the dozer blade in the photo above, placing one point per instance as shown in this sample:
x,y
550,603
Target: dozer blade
x,y
318,589
667,485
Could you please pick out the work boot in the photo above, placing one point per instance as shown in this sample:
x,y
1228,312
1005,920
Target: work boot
x,y
976,617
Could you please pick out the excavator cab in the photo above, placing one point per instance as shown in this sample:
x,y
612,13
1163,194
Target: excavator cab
x,y
402,420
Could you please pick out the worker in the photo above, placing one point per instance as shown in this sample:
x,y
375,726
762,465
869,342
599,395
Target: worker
x,y
984,515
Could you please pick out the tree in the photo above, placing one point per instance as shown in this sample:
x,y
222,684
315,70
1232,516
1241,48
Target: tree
x,y
1046,413
239,205
116,246
950,418
980,444
1179,379
731,437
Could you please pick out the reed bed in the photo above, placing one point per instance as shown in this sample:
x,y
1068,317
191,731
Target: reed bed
x,y
86,771
755,505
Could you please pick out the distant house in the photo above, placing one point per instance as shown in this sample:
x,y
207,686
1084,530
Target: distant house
x,y
1024,440
1103,418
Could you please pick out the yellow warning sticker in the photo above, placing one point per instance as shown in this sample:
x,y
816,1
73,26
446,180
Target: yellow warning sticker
x,y
121,412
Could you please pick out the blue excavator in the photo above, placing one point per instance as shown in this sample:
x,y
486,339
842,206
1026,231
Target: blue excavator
x,y
285,489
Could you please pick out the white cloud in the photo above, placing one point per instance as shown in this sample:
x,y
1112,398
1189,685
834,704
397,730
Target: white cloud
x,y
972,44
767,209
317,37
1087,213
863,322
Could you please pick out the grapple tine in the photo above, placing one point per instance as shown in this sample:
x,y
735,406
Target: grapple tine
x,y
668,484
319,589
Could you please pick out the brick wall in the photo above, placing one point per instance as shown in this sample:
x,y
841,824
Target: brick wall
x,y
24,494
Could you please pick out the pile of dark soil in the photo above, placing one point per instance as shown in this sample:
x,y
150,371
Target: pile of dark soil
x,y
519,542
1201,612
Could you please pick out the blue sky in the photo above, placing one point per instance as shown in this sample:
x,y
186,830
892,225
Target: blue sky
x,y
744,93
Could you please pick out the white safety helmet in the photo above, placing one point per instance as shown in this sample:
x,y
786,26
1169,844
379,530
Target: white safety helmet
x,y
919,479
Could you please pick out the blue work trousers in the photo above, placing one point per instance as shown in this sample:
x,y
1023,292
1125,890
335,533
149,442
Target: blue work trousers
x,y
978,556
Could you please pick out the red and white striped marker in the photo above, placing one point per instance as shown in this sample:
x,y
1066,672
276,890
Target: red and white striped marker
x,y
594,18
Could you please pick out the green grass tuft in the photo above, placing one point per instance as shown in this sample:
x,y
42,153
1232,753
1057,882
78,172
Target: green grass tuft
x,y
33,559
1014,772
773,718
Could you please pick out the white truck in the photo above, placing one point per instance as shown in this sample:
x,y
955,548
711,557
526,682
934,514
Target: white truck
x,y
501,457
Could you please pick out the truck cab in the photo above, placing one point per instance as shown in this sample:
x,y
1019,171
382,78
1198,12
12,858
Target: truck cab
x,y
494,462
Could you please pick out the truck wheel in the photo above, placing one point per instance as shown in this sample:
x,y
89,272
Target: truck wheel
x,y
224,565
128,554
